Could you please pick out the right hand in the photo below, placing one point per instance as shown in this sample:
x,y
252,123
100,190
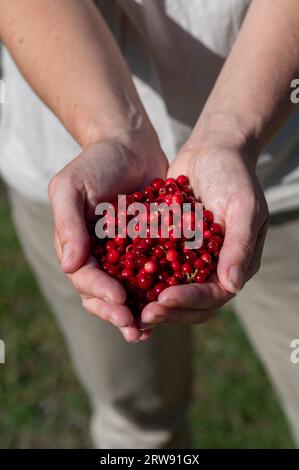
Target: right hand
x,y
101,172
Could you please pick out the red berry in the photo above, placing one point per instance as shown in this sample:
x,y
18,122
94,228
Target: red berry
x,y
178,275
151,295
182,180
157,184
187,268
199,263
216,239
176,265
172,281
129,263
145,281
199,278
177,198
138,196
208,215
151,267
127,272
170,244
158,252
206,257
171,255
215,228
170,181
110,245
112,256
212,246
163,276
189,256
158,288
207,233
118,240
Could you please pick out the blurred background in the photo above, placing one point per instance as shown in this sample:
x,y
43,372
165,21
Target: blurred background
x,y
43,406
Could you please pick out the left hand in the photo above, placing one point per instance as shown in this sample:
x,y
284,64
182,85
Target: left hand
x,y
224,180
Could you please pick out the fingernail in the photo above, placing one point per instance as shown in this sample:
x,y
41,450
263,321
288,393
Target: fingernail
x,y
235,279
67,254
145,326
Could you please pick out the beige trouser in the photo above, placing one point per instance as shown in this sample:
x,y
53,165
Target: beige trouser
x,y
140,392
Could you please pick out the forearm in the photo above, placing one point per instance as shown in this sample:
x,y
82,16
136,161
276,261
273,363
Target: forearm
x,y
251,97
69,57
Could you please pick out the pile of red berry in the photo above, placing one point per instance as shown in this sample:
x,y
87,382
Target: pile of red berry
x,y
147,266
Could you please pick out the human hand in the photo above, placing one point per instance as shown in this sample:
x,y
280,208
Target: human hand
x,y
99,173
223,178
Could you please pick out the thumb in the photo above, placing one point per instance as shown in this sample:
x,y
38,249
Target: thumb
x,y
236,252
68,212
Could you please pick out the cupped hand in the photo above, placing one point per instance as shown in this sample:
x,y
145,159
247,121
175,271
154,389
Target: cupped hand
x,y
224,179
99,173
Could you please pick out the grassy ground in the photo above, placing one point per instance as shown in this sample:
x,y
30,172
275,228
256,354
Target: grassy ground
x,y
43,406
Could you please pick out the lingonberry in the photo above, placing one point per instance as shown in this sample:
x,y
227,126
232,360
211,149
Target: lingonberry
x,y
175,265
158,252
170,181
206,257
198,263
151,295
199,278
172,255
208,215
212,246
207,234
189,256
162,276
138,196
177,198
182,180
129,263
145,281
158,288
148,190
215,228
157,184
112,256
146,266
127,272
187,268
172,281
151,267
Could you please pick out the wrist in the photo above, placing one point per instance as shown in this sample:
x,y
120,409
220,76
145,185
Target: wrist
x,y
135,132
222,131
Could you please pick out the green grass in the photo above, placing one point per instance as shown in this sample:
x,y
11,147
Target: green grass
x,y
43,406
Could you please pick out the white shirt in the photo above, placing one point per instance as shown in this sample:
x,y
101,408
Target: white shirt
x,y
175,50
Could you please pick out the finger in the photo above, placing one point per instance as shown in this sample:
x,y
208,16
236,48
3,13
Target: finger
x,y
118,315
209,296
236,253
146,335
92,282
131,333
258,251
155,313
68,212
